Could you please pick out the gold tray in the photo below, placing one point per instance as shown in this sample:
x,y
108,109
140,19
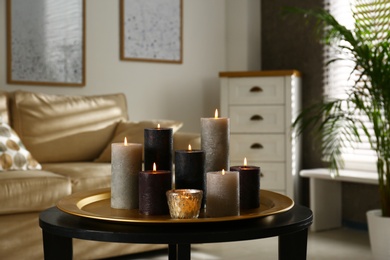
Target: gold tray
x,y
96,204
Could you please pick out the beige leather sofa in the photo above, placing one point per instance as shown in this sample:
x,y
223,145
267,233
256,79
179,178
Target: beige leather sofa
x,y
67,149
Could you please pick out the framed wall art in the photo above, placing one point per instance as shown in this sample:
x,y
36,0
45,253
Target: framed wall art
x,y
151,30
46,42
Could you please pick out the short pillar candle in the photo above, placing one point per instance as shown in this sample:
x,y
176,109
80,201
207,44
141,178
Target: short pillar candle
x,y
126,163
189,169
158,148
153,186
249,185
222,194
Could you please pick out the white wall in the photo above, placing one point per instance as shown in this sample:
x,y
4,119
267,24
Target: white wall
x,y
243,35
182,92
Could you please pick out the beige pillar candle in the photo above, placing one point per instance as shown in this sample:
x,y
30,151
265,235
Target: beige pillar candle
x,y
126,163
223,196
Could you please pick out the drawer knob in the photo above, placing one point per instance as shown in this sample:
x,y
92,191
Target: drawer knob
x,y
256,89
261,175
256,118
257,146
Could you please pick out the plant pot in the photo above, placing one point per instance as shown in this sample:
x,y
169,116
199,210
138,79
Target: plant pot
x,y
379,232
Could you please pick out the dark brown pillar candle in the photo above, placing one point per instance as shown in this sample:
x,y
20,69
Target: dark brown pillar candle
x,y
189,169
249,186
153,186
158,147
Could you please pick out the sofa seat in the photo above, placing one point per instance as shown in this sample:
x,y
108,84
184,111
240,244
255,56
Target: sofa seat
x,y
83,175
70,138
29,191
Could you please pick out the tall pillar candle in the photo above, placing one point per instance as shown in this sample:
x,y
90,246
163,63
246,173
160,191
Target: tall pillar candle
x,y
222,194
249,185
158,148
215,135
126,163
189,169
153,185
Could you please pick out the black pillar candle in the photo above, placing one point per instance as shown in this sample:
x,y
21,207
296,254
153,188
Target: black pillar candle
x,y
153,186
158,147
189,169
249,186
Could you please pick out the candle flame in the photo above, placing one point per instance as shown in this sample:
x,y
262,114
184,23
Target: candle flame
x,y
125,141
223,171
158,126
189,147
216,113
245,162
154,167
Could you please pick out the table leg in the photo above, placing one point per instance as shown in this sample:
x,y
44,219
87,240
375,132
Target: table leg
x,y
56,247
179,252
293,245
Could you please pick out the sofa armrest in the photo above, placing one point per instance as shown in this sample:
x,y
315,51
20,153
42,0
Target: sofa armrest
x,y
181,140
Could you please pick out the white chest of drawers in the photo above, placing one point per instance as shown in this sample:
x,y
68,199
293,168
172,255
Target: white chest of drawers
x,y
261,106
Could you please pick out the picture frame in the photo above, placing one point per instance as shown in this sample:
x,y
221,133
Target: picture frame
x,y
151,31
46,42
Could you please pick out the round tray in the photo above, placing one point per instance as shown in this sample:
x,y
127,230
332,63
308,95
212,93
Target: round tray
x,y
96,204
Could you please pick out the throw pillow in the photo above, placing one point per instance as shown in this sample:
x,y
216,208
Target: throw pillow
x,y
4,108
13,154
134,132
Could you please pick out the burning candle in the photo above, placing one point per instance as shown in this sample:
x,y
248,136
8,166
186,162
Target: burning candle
x,y
126,163
215,134
222,194
184,203
249,185
189,169
153,186
158,147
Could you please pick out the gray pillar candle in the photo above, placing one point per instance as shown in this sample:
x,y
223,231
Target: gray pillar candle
x,y
126,163
223,197
249,185
158,148
215,135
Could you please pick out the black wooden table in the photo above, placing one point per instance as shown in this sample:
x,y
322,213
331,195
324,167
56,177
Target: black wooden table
x,y
291,227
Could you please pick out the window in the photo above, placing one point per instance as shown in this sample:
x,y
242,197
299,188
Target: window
x,y
337,75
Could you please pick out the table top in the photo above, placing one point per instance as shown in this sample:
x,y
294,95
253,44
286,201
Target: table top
x,y
57,222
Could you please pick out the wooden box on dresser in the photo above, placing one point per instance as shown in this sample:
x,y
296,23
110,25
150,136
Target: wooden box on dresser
x,y
261,106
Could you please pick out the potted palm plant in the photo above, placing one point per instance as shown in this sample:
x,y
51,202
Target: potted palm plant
x,y
339,121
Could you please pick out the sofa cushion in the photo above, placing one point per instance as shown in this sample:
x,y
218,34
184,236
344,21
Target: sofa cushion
x,y
13,154
134,132
56,128
83,175
181,140
27,191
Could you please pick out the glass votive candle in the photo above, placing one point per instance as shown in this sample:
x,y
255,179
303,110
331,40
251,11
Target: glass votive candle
x,y
184,203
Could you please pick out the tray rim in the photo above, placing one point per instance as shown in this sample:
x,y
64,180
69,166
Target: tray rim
x,y
73,204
